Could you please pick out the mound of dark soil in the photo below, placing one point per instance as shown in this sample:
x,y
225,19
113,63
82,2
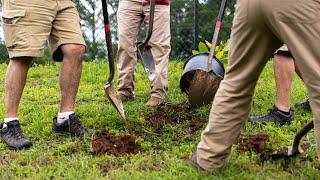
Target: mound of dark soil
x,y
253,143
115,145
175,114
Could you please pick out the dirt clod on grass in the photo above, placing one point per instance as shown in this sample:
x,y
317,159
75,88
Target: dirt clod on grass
x,y
116,145
253,143
175,114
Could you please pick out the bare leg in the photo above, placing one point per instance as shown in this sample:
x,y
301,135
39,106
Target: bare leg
x,y
284,71
14,84
70,75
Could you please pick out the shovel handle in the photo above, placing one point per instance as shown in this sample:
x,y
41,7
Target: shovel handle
x,y
108,40
305,129
151,20
218,26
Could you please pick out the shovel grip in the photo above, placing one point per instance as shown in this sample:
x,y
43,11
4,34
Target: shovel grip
x,y
305,129
108,40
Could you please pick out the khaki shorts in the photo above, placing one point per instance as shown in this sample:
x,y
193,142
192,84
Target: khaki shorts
x,y
27,25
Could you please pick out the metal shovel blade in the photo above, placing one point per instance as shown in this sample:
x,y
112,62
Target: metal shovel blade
x,y
146,57
115,101
289,151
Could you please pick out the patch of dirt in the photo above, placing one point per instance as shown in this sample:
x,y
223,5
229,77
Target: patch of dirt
x,y
72,150
104,169
175,114
116,145
253,143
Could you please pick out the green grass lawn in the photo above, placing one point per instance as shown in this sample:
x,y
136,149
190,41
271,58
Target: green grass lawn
x,y
55,156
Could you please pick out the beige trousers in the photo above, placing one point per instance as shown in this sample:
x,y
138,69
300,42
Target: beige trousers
x,y
130,18
259,28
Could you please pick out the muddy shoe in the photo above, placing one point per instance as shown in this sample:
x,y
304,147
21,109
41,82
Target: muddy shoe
x,y
154,101
124,98
304,105
194,162
12,135
72,126
275,116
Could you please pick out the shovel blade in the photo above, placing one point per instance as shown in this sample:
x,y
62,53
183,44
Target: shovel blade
x,y
147,59
114,99
289,151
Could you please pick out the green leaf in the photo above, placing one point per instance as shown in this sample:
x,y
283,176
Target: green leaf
x,y
203,48
195,52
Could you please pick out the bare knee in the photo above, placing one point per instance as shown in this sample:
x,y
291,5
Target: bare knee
x,y
21,61
74,51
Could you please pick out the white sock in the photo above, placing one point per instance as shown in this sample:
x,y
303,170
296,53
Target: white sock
x,y
63,116
6,120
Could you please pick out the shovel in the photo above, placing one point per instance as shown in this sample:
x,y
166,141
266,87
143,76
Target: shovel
x,y
296,148
205,83
111,93
144,50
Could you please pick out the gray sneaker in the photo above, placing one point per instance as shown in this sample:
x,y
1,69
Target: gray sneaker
x,y
72,126
274,116
12,135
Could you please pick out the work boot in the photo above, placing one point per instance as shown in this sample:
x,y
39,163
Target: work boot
x,y
12,135
275,116
154,101
194,161
124,98
72,126
304,105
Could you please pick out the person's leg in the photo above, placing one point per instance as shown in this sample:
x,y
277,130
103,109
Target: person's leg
x,y
284,72
24,40
70,75
301,32
129,20
68,46
14,84
160,49
252,44
281,113
10,131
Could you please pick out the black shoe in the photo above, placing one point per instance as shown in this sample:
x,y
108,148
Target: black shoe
x,y
72,126
12,135
304,105
194,161
275,116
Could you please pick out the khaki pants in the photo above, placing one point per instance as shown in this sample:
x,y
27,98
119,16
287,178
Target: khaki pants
x,y
28,24
259,28
129,21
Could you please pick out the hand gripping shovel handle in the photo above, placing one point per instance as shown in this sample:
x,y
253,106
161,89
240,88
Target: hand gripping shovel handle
x,y
108,41
216,33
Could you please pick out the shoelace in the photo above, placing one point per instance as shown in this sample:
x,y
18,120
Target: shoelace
x,y
78,126
17,132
